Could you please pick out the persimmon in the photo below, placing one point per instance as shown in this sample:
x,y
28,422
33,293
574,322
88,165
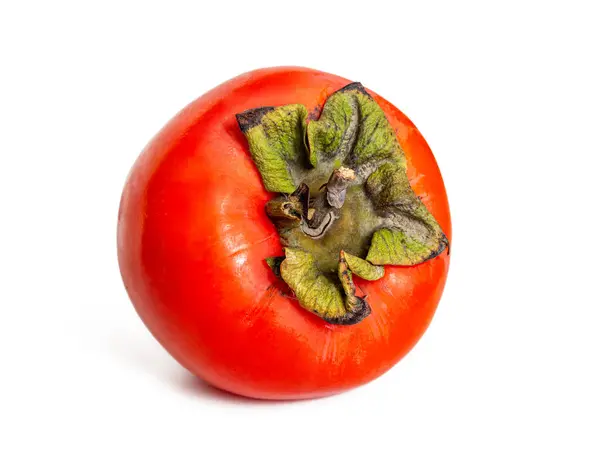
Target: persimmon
x,y
286,235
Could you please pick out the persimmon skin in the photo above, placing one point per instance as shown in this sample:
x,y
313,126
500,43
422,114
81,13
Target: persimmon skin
x,y
193,236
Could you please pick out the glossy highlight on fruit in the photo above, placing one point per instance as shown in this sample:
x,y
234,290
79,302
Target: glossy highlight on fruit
x,y
286,235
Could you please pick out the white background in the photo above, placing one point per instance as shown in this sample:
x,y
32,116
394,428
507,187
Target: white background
x,y
507,95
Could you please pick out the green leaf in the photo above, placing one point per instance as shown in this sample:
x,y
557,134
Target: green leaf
x,y
333,300
315,291
353,130
276,140
333,135
404,247
388,186
363,269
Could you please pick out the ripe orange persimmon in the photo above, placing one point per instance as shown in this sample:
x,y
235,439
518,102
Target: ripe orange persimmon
x,y
244,275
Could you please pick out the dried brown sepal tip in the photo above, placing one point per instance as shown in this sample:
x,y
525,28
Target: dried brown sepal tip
x,y
252,117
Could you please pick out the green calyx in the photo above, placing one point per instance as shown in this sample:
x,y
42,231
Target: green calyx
x,y
345,206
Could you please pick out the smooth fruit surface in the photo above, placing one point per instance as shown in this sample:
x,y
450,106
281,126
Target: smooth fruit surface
x,y
193,237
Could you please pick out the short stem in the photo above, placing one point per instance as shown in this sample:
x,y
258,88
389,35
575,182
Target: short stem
x,y
337,185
